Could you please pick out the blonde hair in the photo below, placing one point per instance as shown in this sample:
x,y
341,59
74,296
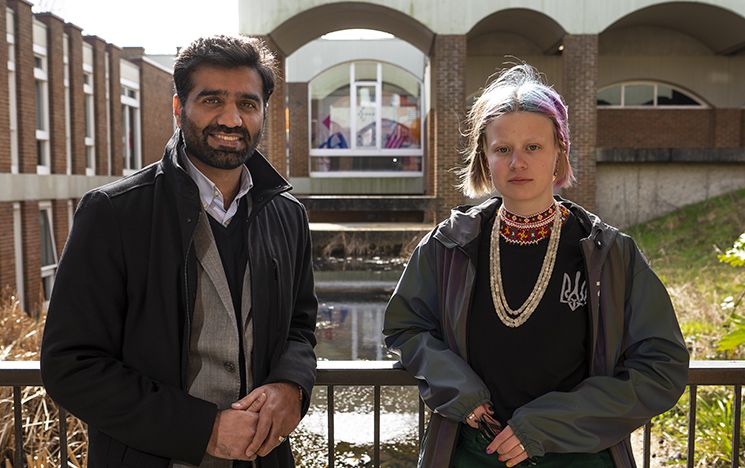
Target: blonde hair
x,y
516,89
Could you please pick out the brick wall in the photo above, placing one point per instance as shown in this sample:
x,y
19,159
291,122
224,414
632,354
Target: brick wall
x,y
56,86
101,143
156,110
25,94
7,248
31,256
448,96
655,128
727,128
61,224
4,102
115,103
273,144
77,98
297,95
580,60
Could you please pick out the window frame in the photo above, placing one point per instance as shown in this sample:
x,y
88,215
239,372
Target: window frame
x,y
378,151
48,271
701,104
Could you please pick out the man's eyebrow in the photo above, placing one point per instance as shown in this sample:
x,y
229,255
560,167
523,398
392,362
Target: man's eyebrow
x,y
222,92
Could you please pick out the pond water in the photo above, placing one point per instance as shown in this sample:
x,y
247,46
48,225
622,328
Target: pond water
x,y
350,320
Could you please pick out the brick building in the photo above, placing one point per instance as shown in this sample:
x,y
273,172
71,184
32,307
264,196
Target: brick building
x,y
71,113
656,92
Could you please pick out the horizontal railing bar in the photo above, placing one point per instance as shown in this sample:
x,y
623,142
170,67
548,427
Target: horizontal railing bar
x,y
26,373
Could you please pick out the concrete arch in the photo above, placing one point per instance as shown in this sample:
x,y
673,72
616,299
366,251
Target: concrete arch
x,y
309,24
720,29
534,27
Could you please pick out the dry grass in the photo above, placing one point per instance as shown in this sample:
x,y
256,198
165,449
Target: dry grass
x,y
20,339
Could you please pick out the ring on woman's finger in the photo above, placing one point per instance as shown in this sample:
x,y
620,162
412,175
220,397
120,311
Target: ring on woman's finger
x,y
471,416
522,447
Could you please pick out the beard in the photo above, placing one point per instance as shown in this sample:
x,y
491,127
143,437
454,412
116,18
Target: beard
x,y
195,140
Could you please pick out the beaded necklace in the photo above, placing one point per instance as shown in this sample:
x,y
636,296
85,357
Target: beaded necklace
x,y
527,230
515,318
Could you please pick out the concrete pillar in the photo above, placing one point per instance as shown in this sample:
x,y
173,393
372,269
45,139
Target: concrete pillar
x,y
448,97
297,105
580,60
273,144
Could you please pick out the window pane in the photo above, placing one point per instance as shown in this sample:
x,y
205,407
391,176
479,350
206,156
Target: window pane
x,y
363,163
401,118
330,120
132,138
41,153
47,247
89,116
40,114
89,155
639,95
366,117
666,96
610,96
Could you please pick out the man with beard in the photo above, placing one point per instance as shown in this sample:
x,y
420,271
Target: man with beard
x,y
181,325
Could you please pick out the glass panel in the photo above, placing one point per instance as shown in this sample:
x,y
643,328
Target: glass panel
x,y
89,157
47,247
133,137
365,71
41,156
639,95
40,113
667,96
330,120
401,118
365,113
47,283
88,116
610,96
366,163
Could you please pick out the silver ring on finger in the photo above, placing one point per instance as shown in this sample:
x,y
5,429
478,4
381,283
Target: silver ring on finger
x,y
522,447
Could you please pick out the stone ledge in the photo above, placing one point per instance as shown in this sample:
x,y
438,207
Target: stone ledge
x,y
667,155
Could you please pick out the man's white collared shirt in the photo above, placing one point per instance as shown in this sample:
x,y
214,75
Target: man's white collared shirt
x,y
211,197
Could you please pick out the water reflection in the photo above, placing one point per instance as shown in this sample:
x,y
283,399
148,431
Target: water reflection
x,y
349,327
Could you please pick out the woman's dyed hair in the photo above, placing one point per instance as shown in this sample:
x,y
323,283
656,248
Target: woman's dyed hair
x,y
516,89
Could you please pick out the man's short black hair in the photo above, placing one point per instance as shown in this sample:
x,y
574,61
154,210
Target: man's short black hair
x,y
227,52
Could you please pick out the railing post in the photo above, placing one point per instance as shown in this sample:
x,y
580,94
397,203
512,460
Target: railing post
x,y
736,427
330,404
647,443
62,414
18,427
691,425
376,426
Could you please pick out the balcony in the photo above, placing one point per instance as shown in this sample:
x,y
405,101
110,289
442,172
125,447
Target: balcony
x,y
377,374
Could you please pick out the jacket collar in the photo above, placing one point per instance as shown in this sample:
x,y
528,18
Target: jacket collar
x,y
465,223
267,181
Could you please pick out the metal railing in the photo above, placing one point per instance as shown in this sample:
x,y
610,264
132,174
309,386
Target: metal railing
x,y
377,374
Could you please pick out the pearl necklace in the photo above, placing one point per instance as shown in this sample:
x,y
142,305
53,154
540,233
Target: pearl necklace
x,y
515,318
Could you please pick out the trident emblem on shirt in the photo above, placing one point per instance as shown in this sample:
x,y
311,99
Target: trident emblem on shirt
x,y
573,295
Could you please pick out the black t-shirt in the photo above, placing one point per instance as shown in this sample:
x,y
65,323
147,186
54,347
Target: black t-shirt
x,y
550,350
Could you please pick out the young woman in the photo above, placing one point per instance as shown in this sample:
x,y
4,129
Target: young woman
x,y
537,332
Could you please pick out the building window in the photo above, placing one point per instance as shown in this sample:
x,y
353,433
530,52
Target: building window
x,y
13,106
41,82
90,111
366,118
646,94
48,249
18,250
131,128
